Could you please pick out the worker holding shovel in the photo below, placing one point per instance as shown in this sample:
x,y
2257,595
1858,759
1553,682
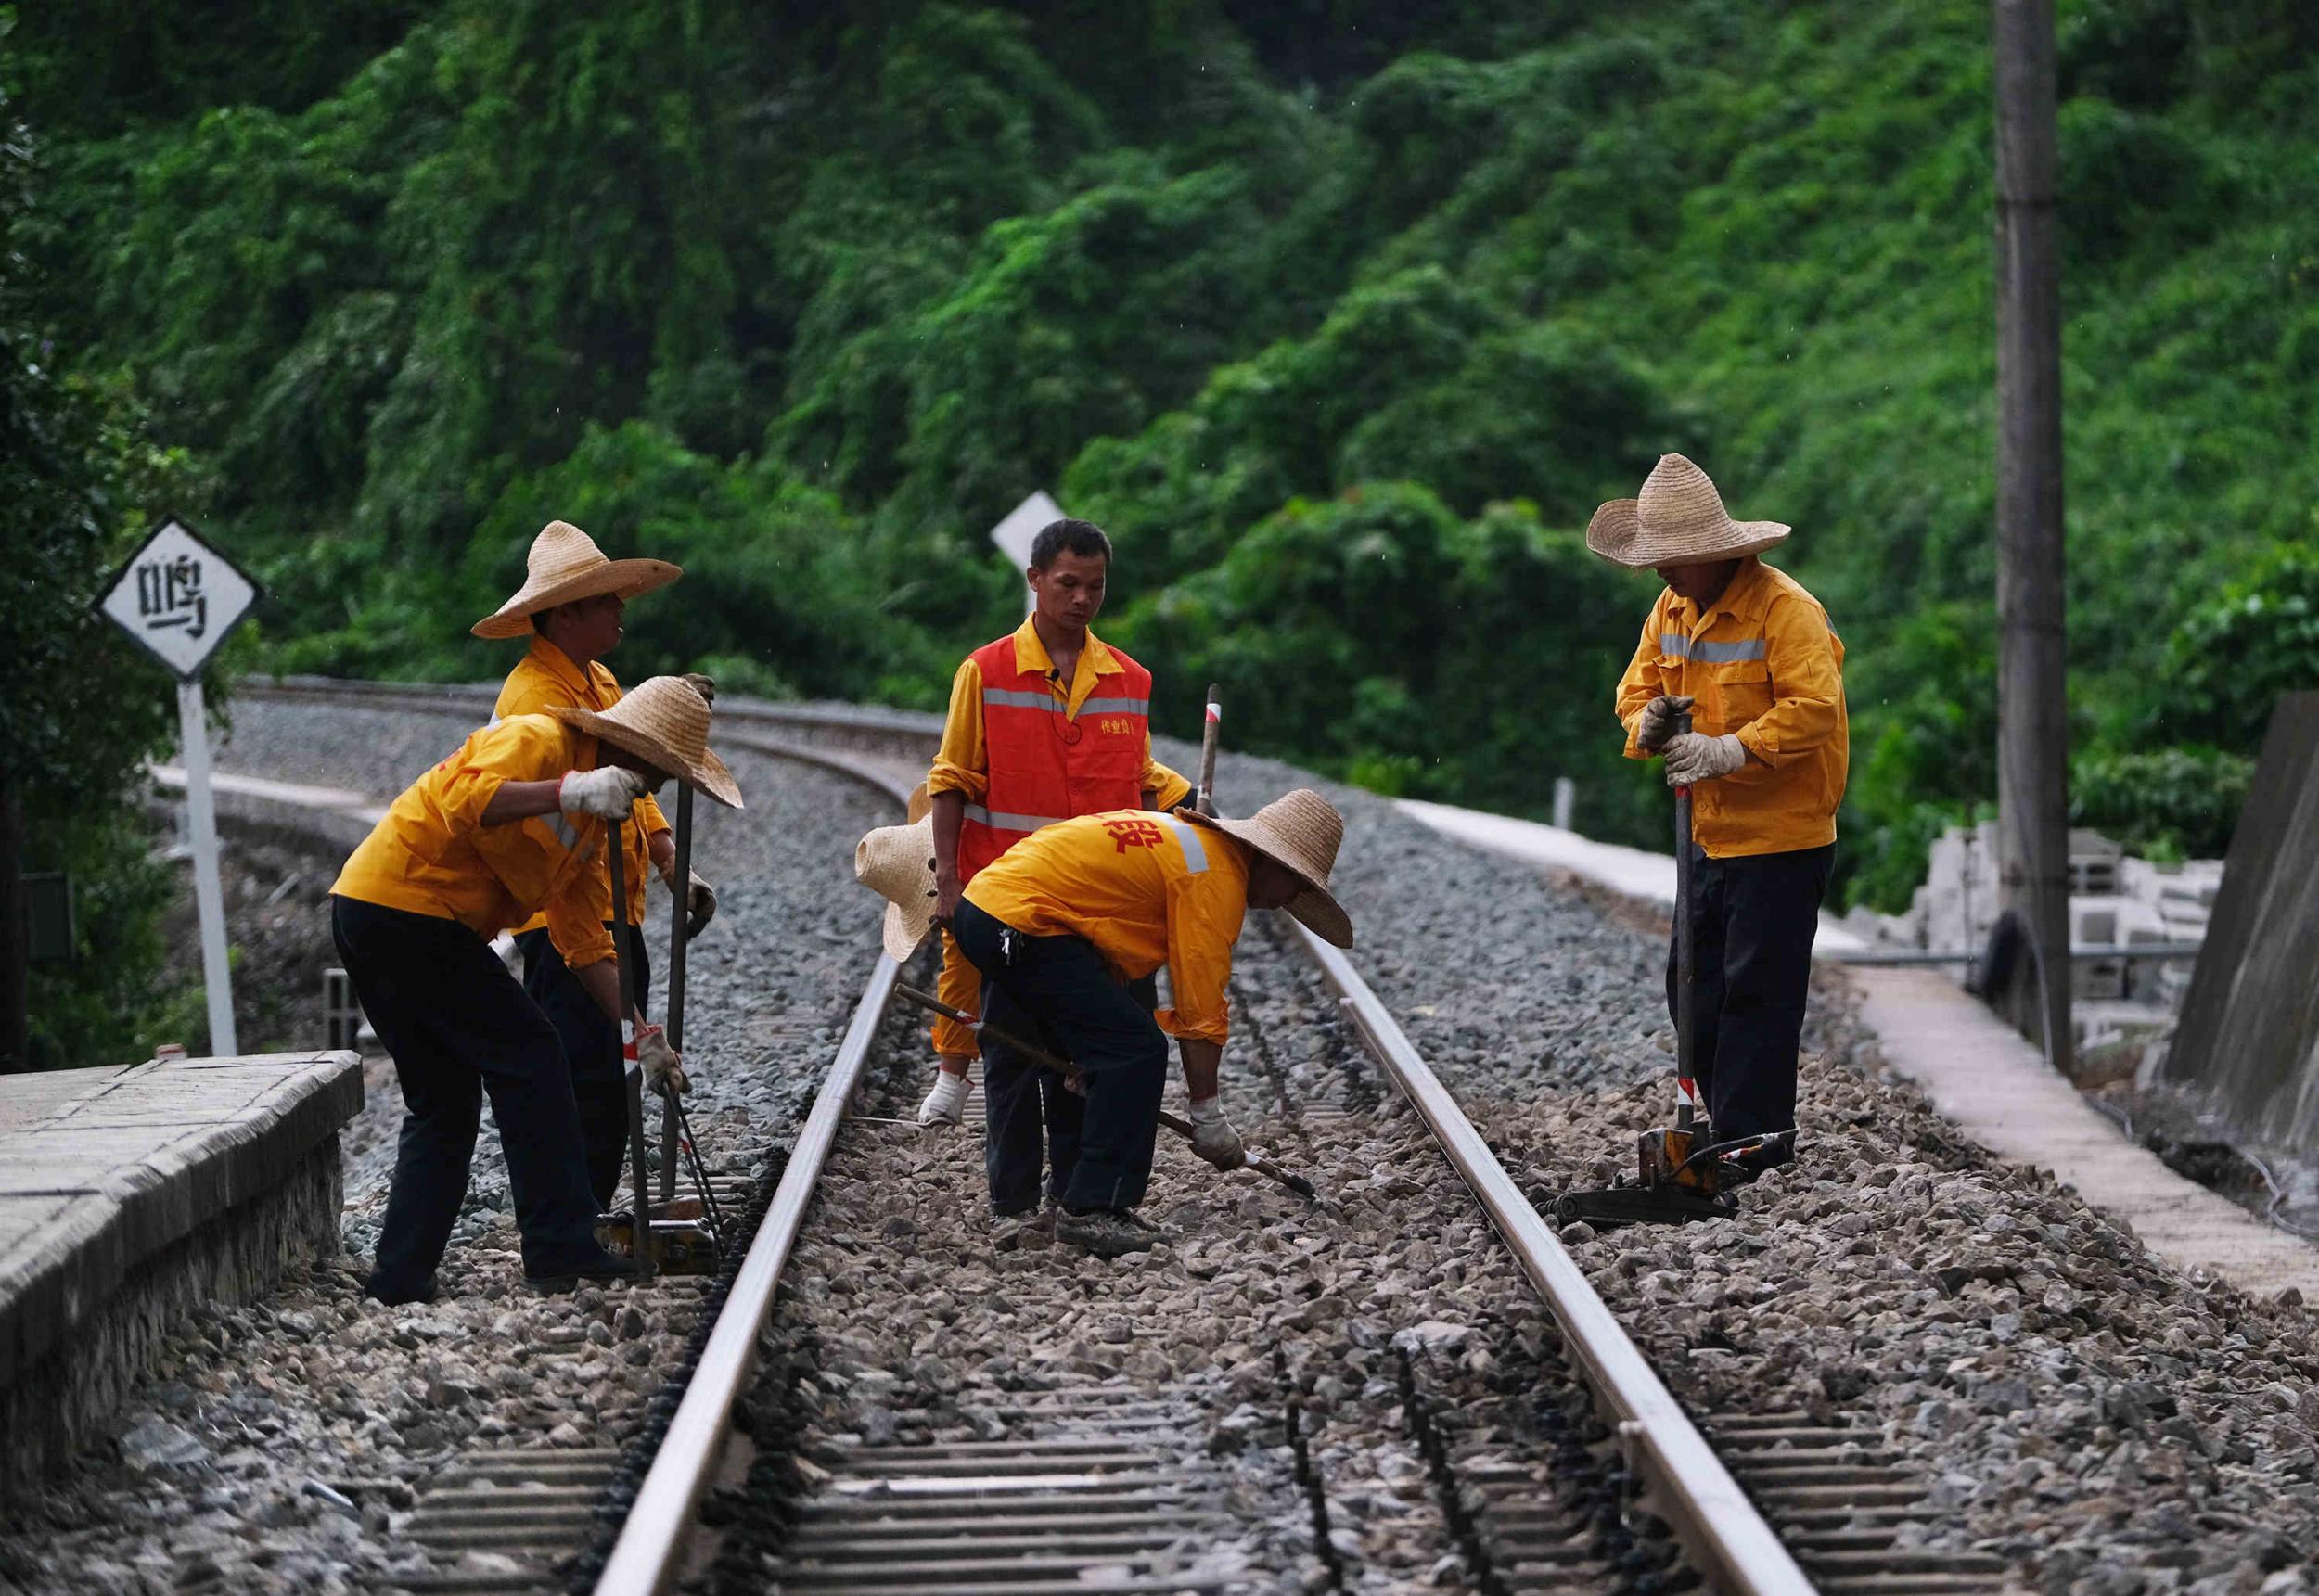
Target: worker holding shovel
x,y
512,823
1066,916
1750,658
572,607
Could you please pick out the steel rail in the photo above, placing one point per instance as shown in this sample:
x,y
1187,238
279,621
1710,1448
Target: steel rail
x,y
645,1559
1726,1537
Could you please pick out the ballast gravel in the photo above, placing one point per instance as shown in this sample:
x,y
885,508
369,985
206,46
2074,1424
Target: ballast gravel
x,y
282,1447
2101,1422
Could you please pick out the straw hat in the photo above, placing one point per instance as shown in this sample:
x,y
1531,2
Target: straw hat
x,y
1300,831
897,863
665,724
565,564
921,803
1679,520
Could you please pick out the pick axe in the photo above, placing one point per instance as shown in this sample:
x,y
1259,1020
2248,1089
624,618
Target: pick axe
x,y
1073,1076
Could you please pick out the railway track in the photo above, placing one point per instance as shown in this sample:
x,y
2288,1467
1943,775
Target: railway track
x,y
1552,1458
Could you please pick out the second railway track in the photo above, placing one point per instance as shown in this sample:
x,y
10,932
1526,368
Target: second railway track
x,y
1270,1403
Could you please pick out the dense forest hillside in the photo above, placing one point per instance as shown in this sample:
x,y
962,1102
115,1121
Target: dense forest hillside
x,y
1340,315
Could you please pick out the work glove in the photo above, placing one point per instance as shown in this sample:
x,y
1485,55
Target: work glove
x,y
700,905
1658,721
946,1105
663,1068
704,685
1694,757
1212,1136
607,793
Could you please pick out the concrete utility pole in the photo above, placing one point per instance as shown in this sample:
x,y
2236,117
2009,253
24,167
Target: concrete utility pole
x,y
2032,711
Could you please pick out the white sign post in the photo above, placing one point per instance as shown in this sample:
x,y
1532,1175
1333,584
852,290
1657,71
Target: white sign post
x,y
1023,525
180,597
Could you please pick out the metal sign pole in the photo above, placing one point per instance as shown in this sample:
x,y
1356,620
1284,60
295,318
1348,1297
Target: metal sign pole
x,y
208,890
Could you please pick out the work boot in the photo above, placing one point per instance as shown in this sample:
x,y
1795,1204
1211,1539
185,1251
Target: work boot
x,y
396,1296
597,1265
1107,1232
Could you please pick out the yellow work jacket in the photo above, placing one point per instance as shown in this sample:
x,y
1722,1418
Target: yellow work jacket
x,y
1147,889
431,853
1763,662
547,678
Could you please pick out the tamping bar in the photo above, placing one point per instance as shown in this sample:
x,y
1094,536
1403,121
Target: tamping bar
x,y
616,858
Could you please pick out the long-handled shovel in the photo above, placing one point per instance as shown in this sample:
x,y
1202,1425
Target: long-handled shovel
x,y
616,860
678,1245
1071,1074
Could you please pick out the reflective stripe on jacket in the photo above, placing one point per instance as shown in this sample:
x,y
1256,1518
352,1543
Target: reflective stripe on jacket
x,y
545,678
1764,662
1025,753
1147,889
431,854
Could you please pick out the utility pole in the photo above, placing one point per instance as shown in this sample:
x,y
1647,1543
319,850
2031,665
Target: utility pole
x,y
2032,710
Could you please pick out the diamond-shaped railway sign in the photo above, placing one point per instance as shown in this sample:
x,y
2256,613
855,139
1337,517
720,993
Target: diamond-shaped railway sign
x,y
179,597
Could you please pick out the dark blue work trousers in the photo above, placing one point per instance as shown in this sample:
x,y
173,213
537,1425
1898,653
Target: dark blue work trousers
x,y
459,1026
1057,993
592,1047
1752,921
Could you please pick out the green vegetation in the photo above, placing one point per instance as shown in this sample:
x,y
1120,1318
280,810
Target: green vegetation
x,y
84,708
1343,318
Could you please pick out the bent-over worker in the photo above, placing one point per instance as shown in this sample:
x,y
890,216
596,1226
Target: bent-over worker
x,y
512,823
1046,723
1751,657
571,606
1058,926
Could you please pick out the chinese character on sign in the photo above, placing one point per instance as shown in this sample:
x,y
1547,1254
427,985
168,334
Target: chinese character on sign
x,y
1129,833
169,594
179,597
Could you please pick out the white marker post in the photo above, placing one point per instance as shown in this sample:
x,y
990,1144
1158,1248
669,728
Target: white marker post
x,y
180,597
1021,527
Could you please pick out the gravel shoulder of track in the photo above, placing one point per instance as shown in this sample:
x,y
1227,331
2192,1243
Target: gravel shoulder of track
x,y
279,1447
2083,1408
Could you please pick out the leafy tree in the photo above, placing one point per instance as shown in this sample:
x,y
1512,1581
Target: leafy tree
x,y
84,708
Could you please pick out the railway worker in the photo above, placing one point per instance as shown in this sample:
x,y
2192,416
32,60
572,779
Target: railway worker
x,y
570,606
510,824
1045,724
1062,921
1755,662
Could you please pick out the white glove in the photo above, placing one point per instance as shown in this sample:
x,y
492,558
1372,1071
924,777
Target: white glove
x,y
608,793
700,905
1212,1136
1697,757
946,1105
663,1069
1658,721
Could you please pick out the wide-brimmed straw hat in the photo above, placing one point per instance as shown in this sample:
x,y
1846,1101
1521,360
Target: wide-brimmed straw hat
x,y
921,802
897,863
1300,831
564,565
1679,520
665,724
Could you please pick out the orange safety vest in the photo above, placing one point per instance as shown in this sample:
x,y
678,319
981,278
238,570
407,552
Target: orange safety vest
x,y
1045,765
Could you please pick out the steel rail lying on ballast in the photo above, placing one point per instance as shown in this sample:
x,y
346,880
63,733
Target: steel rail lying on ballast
x,y
1726,1537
